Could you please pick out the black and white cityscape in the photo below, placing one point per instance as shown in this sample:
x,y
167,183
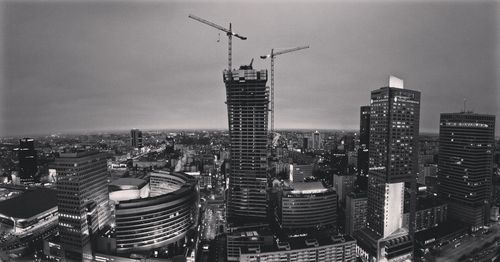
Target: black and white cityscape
x,y
266,131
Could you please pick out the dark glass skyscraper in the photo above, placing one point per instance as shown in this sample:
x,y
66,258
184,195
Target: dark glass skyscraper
x,y
394,130
136,138
81,183
364,140
247,107
316,140
364,126
465,164
27,160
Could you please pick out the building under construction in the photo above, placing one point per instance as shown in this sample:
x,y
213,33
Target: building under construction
x,y
247,108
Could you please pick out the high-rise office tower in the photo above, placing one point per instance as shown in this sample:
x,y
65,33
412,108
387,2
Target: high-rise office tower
x,y
465,165
27,160
247,107
364,140
82,182
136,138
316,140
394,130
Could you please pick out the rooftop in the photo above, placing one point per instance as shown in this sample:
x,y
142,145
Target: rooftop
x,y
29,204
428,201
301,242
441,231
308,187
75,154
128,183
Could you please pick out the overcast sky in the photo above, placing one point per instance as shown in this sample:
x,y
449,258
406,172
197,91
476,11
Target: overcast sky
x,y
80,66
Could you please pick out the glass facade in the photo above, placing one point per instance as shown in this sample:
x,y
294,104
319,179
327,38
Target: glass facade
x,y
465,165
81,181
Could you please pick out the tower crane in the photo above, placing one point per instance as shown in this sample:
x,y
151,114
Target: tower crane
x,y
229,32
272,55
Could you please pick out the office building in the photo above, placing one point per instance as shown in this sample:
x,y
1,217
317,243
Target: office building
x,y
307,205
316,140
465,165
81,181
364,141
155,214
430,213
355,212
136,138
343,184
27,160
248,108
394,131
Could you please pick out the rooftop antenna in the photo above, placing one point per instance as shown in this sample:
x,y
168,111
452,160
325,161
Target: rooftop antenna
x,y
465,103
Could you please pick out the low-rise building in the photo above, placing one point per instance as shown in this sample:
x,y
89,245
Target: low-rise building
x,y
317,248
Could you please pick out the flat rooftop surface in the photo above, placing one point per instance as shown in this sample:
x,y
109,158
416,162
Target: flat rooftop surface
x,y
308,187
29,203
128,183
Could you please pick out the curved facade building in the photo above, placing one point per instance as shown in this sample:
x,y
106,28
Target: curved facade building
x,y
308,205
163,218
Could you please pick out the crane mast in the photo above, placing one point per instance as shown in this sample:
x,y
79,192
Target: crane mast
x,y
272,55
229,32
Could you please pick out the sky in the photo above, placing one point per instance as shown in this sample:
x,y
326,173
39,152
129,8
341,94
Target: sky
x,y
71,66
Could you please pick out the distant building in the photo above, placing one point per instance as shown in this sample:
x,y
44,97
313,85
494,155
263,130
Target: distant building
x,y
355,212
466,146
248,110
348,142
81,181
307,205
344,185
428,170
27,160
316,140
136,138
305,143
394,131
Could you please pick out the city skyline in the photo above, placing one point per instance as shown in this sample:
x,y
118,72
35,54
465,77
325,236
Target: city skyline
x,y
84,66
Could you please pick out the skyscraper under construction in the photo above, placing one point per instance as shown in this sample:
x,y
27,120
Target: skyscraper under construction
x,y
247,107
